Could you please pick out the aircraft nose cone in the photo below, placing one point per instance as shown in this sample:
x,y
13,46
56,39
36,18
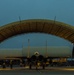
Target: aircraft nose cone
x,y
36,53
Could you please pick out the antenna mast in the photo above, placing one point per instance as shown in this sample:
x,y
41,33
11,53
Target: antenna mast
x,y
28,48
20,19
46,49
22,48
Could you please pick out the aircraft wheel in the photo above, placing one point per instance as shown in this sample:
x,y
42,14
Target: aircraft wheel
x,y
30,66
36,67
43,67
11,66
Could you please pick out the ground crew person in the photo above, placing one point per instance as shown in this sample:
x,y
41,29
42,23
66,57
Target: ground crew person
x,y
3,64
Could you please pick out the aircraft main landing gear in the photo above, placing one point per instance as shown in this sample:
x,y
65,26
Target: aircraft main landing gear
x,y
30,66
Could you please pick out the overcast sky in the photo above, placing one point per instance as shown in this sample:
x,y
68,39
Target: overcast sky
x,y
10,10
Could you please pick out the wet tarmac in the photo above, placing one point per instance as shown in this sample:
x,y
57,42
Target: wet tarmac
x,y
47,71
35,72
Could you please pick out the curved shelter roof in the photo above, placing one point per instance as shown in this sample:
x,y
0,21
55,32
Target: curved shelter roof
x,y
37,25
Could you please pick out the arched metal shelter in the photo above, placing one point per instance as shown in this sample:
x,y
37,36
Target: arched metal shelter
x,y
37,25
